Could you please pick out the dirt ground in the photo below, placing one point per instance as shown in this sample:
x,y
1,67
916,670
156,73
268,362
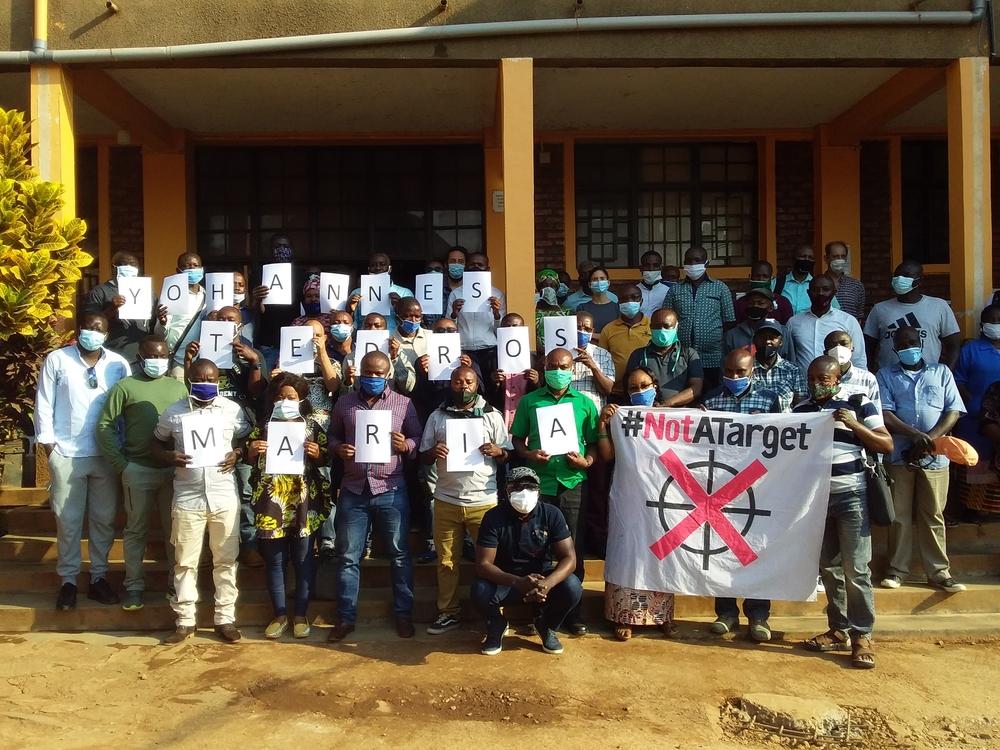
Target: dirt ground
x,y
92,690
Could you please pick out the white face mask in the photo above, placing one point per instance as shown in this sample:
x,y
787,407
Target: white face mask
x,y
238,298
524,501
651,277
155,368
840,353
695,270
286,409
126,272
991,331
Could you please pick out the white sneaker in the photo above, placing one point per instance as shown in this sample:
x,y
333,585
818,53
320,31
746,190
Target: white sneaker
x,y
891,582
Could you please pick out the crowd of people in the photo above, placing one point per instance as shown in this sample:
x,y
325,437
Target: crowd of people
x,y
112,408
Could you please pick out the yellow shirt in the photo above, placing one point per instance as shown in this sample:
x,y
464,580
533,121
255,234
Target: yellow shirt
x,y
621,340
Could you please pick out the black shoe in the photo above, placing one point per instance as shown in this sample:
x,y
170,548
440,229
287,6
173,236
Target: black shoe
x,y
493,642
228,632
100,591
550,641
67,597
575,628
404,627
181,634
340,632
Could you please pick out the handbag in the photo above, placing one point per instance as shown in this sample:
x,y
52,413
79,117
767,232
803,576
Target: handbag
x,y
878,484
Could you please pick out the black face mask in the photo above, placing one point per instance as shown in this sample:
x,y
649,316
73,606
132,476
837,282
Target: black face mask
x,y
770,352
804,266
756,313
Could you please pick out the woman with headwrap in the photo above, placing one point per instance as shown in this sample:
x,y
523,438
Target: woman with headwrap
x,y
547,304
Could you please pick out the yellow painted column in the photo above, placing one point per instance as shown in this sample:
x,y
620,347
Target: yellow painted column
x,y
53,149
516,119
970,230
837,197
167,211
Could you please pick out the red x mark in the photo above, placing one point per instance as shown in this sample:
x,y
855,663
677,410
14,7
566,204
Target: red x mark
x,y
708,508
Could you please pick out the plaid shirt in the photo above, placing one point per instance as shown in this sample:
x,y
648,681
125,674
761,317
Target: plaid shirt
x,y
378,477
785,378
755,400
851,296
711,305
583,377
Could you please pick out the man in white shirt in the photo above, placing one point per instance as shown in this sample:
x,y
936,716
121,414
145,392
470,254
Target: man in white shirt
x,y
808,330
478,329
181,329
652,286
72,388
853,379
204,498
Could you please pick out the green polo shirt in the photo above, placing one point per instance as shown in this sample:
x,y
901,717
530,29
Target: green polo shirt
x,y
136,402
556,471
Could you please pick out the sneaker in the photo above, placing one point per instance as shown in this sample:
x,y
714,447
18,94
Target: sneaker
x,y
949,584
759,631
276,629
723,625
493,642
891,582
66,600
301,628
427,558
100,591
228,632
443,624
132,601
550,641
181,634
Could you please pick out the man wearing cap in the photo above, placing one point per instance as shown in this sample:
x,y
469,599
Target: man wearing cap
x,y
771,370
760,278
518,542
758,307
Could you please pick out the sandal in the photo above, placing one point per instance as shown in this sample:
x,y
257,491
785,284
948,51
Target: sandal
x,y
623,633
862,655
669,629
831,640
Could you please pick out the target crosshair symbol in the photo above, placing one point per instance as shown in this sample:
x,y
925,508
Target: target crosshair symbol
x,y
706,551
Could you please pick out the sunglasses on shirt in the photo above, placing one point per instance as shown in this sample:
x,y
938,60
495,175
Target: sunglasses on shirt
x,y
91,377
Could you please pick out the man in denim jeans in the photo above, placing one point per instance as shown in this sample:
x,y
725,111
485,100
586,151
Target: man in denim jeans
x,y
373,493
847,542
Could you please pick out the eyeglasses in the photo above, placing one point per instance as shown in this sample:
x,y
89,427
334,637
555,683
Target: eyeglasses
x,y
91,377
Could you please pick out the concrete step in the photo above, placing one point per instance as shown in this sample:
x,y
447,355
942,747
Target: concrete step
x,y
35,611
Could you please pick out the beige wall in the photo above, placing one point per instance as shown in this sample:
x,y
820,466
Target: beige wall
x,y
79,24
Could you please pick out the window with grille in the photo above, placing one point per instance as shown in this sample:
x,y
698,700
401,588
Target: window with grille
x,y
925,200
666,197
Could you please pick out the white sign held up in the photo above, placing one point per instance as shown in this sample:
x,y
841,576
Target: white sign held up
x,y
277,277
464,438
375,293
560,333
219,291
372,441
296,352
202,434
285,448
513,351
557,430
477,287
138,294
444,352
370,341
429,292
216,342
334,289
175,294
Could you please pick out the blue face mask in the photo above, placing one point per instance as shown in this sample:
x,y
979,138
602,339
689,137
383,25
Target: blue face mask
x,y
600,286
126,272
195,275
311,308
372,386
583,338
645,397
455,270
909,356
341,331
562,292
408,327
902,284
91,340
736,386
204,392
629,309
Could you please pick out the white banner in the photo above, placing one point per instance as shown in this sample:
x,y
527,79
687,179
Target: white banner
x,y
718,504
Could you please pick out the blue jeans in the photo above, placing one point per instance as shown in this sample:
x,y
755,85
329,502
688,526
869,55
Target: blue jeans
x,y
843,560
270,356
390,514
248,531
277,553
754,609
563,597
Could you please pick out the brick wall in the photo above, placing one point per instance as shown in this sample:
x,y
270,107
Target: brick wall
x,y
126,199
550,238
793,168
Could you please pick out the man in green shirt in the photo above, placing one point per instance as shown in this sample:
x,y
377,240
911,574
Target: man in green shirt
x,y
132,409
562,477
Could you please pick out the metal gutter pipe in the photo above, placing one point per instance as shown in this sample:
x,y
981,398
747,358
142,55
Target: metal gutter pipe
x,y
339,40
40,38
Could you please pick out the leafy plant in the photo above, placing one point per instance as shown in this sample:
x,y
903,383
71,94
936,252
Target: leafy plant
x,y
40,265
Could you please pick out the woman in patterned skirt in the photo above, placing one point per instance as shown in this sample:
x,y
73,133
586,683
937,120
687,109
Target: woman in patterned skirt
x,y
626,607
289,508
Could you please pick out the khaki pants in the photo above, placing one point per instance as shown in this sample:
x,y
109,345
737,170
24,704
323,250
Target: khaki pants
x,y
450,523
921,493
188,534
146,490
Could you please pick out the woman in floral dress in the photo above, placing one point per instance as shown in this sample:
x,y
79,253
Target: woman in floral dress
x,y
289,508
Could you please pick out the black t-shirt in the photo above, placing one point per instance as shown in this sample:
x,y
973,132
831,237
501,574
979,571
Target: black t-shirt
x,y
523,547
270,322
123,335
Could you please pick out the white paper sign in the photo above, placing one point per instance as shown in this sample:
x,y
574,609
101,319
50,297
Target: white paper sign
x,y
285,448
560,333
277,277
138,294
557,429
175,294
513,352
219,291
370,341
375,293
464,437
429,291
476,290
444,351
372,441
216,342
296,351
334,289
203,439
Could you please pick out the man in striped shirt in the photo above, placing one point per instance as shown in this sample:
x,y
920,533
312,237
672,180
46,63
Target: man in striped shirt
x,y
850,291
847,543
